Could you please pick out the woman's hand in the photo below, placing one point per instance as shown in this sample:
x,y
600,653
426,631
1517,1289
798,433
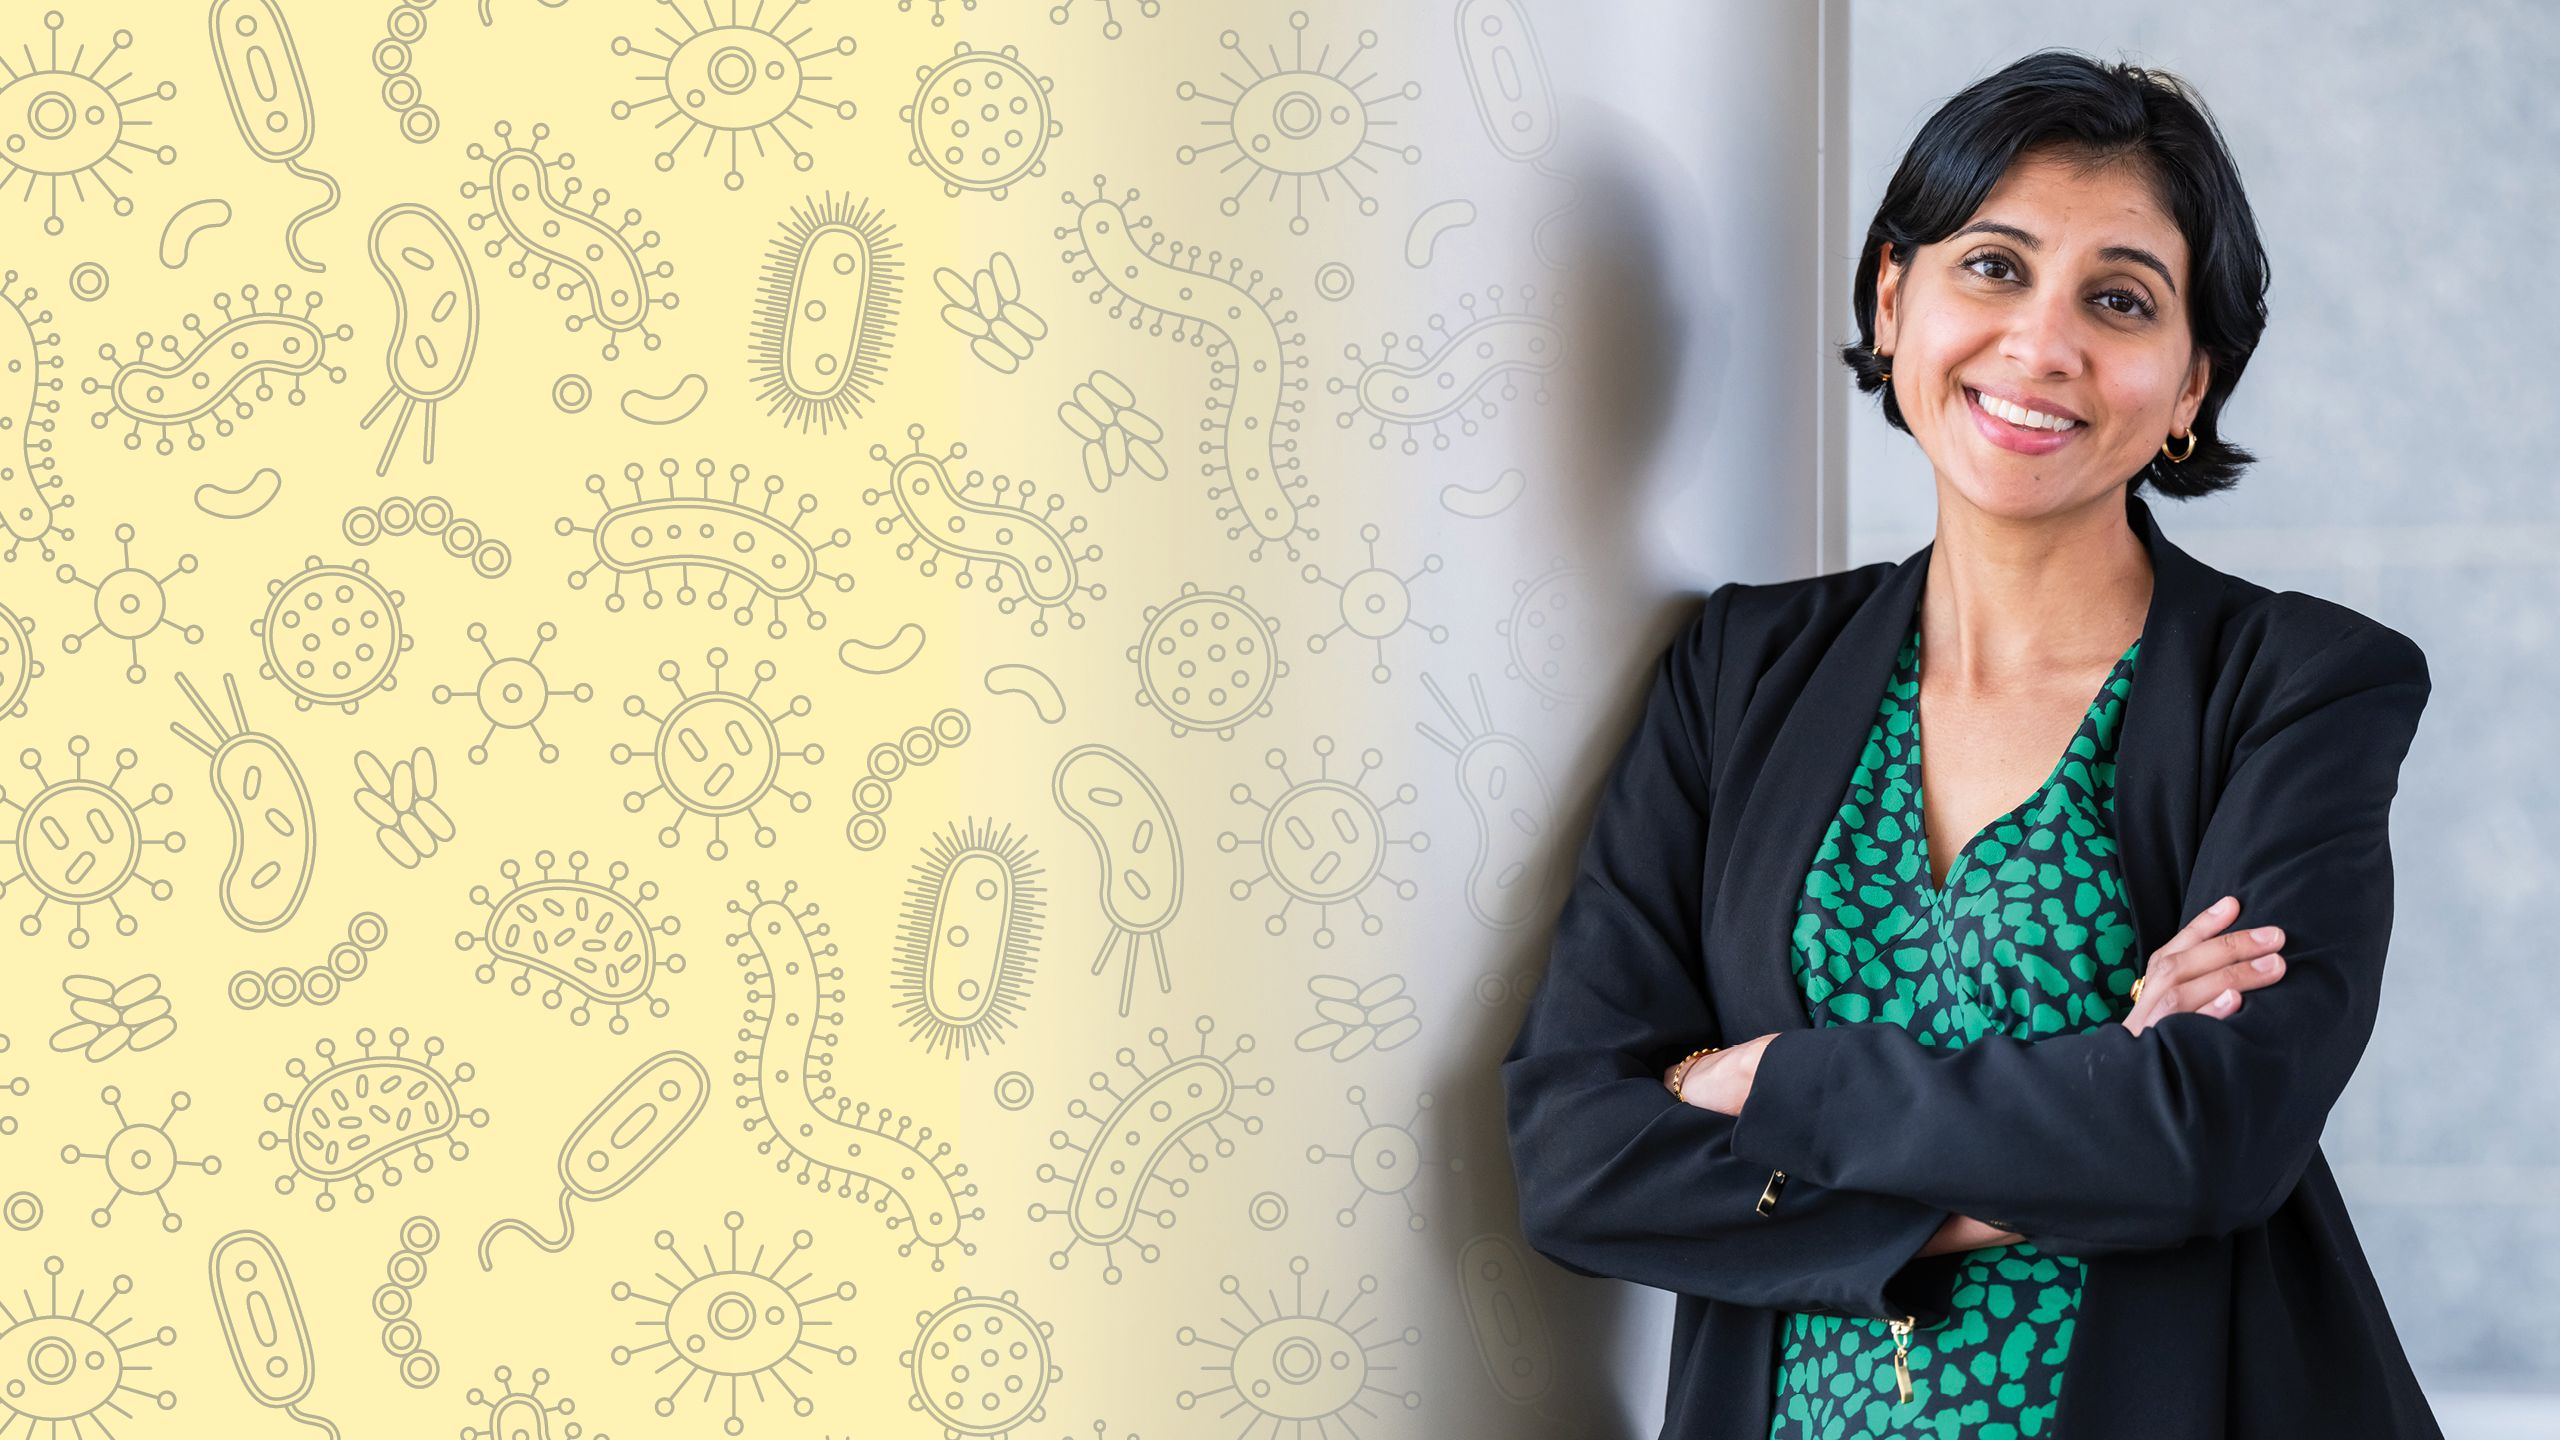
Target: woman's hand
x,y
1722,1081
2205,972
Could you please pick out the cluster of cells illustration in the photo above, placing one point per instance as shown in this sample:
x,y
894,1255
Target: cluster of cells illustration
x,y
887,761
108,1019
585,944
397,1296
347,962
430,515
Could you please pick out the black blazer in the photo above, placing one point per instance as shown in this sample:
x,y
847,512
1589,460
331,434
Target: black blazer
x,y
2226,1294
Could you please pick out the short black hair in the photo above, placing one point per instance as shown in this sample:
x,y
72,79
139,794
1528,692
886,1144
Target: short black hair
x,y
2093,114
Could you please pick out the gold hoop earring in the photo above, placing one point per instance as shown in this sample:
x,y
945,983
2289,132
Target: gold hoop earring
x,y
2180,457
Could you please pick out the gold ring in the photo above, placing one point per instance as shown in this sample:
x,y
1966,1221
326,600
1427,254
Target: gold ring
x,y
2136,996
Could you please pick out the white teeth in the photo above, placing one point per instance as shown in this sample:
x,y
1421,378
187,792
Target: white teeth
x,y
2019,415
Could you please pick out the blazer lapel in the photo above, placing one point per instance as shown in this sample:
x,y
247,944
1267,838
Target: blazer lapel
x,y
1798,789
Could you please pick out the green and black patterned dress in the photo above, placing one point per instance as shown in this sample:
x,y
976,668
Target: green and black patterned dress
x,y
2030,936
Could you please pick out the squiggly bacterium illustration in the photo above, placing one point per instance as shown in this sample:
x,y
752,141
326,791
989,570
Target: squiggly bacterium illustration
x,y
533,200
30,487
1156,282
206,375
862,1152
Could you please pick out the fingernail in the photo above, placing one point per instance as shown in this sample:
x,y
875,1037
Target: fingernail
x,y
2269,932
2223,1001
2226,902
2268,962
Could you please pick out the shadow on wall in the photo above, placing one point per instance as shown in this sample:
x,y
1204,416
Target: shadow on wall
x,y
1639,340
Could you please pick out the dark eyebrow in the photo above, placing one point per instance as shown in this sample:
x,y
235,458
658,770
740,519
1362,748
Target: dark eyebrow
x,y
2115,254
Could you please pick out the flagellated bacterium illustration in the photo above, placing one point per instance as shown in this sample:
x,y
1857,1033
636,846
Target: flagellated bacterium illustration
x,y
1137,849
620,1139
274,834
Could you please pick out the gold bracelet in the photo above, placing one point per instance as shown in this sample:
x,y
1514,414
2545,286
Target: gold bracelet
x,y
1680,1072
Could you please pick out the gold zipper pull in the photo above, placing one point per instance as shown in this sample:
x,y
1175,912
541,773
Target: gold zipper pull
x,y
1901,1354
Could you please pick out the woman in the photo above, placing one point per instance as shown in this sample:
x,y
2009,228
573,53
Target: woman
x,y
1946,1119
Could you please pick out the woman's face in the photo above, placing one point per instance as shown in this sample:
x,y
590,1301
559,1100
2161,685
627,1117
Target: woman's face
x,y
2048,297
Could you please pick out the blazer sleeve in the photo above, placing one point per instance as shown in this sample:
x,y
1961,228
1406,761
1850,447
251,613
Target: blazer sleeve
x,y
1618,1177
2102,1140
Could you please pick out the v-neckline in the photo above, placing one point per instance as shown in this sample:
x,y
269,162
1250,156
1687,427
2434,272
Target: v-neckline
x,y
1935,892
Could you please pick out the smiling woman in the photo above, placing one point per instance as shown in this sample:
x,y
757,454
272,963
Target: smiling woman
x,y
1944,1118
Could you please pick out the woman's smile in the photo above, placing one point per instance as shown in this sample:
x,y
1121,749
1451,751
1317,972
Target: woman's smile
x,y
2009,435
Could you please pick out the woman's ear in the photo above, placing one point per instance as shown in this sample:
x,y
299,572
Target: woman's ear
x,y
1888,291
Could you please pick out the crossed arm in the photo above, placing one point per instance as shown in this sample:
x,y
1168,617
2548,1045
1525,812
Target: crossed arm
x,y
2087,1143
